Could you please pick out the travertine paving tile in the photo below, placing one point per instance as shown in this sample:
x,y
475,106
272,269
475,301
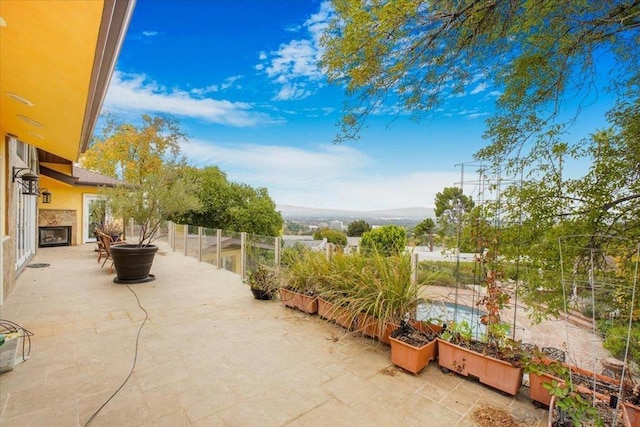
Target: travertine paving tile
x,y
208,355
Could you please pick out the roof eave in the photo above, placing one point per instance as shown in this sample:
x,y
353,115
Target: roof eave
x,y
116,17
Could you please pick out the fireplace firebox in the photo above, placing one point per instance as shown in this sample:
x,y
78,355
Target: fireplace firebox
x,y
54,236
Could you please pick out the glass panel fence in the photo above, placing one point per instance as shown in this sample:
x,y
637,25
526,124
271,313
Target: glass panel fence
x,y
210,246
230,252
261,250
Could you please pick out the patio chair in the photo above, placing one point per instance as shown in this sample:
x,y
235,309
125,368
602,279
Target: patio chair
x,y
108,241
100,249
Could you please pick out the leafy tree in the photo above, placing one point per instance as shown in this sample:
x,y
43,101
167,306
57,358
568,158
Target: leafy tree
x,y
601,209
333,236
452,208
450,199
357,228
254,211
231,206
386,240
147,158
132,153
538,54
425,228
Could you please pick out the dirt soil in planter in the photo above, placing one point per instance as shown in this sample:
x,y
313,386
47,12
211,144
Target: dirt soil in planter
x,y
506,355
605,388
486,416
409,335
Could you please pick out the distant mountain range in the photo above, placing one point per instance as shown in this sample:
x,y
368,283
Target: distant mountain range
x,y
414,213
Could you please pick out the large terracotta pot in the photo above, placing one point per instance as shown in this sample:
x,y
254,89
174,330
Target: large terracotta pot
x,y
306,303
133,263
411,358
490,371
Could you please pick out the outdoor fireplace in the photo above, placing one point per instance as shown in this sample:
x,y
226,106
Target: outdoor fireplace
x,y
54,236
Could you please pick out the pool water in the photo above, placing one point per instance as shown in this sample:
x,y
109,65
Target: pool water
x,y
448,313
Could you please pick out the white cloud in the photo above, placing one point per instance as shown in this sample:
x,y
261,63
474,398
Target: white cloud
x,y
479,88
325,176
476,115
295,63
135,92
149,33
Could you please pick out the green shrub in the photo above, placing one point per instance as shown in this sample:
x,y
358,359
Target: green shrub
x,y
616,339
386,240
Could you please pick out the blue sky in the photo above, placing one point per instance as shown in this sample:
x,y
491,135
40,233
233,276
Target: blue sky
x,y
241,78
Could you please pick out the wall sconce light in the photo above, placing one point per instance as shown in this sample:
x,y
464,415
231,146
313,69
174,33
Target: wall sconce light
x,y
46,195
28,181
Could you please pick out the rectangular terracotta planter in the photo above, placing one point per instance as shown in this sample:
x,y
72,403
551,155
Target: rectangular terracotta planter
x,y
302,302
328,310
538,393
370,326
631,415
411,358
490,371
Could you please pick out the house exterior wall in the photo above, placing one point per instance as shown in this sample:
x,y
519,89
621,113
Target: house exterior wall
x,y
65,200
9,273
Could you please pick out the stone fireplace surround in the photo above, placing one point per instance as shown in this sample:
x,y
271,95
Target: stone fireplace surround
x,y
60,217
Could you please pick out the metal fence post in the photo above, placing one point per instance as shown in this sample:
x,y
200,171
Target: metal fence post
x,y
218,248
243,253
276,261
199,244
414,268
185,229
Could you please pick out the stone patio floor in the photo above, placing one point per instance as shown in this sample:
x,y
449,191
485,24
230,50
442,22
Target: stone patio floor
x,y
208,355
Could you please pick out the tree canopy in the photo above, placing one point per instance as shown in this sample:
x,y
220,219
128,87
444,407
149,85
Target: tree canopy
x,y
357,228
147,158
537,54
131,153
231,206
450,199
151,153
386,240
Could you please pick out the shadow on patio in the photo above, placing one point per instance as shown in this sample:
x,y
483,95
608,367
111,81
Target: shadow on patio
x,y
209,354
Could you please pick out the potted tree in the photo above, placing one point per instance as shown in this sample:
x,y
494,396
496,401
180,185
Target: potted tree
x,y
146,158
150,203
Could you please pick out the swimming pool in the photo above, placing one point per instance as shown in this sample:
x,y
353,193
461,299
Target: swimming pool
x,y
446,312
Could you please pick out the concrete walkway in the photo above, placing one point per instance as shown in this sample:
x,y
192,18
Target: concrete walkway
x,y
209,355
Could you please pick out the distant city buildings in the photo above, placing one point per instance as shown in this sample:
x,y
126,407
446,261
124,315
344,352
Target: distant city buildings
x,y
336,225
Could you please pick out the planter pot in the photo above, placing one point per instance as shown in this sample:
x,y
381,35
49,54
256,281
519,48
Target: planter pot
x,y
260,294
370,326
631,415
490,371
302,302
329,311
411,358
133,263
540,395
